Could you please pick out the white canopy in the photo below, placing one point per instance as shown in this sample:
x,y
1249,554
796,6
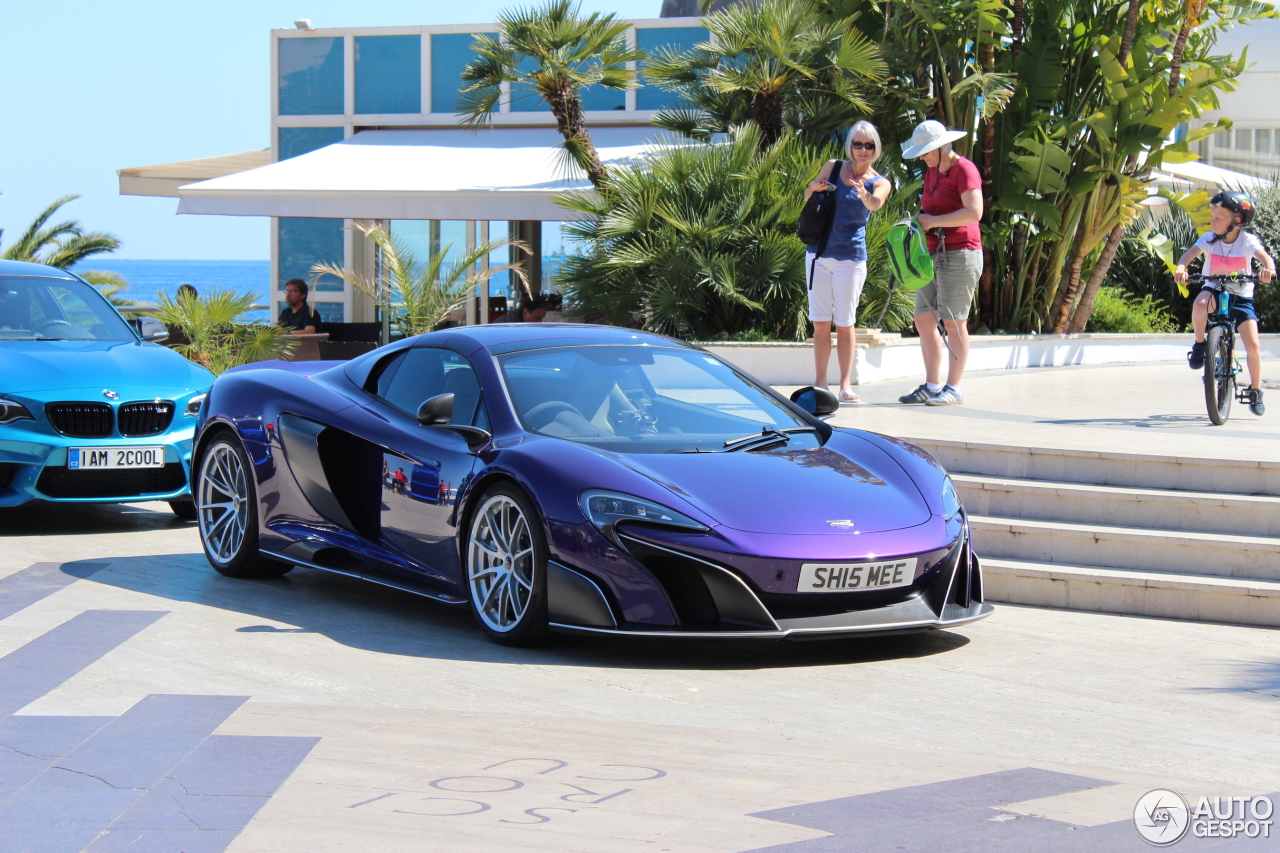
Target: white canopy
x,y
454,173
1197,175
164,179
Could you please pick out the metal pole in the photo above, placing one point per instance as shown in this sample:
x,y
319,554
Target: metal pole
x,y
484,269
471,296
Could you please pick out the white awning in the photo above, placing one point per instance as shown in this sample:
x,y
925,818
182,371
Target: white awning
x,y
165,178
454,173
1197,175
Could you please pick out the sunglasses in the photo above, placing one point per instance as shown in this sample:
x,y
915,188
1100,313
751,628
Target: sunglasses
x,y
862,146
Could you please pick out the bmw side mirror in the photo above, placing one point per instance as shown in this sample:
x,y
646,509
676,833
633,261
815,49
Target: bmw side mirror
x,y
818,402
436,411
150,329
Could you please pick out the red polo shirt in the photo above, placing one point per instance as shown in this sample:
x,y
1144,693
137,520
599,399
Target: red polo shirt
x,y
942,196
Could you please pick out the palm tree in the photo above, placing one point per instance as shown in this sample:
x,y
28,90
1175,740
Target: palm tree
x,y
699,242
420,296
779,63
553,53
217,334
64,244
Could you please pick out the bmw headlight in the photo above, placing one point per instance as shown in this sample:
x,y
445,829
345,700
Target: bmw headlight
x,y
605,509
11,411
193,405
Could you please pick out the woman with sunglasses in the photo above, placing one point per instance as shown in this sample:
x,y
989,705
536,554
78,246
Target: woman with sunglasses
x,y
837,276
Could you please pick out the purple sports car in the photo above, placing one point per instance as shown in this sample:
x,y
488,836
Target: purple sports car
x,y
581,478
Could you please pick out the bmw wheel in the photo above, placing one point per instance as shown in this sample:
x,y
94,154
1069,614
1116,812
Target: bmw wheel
x,y
506,559
227,509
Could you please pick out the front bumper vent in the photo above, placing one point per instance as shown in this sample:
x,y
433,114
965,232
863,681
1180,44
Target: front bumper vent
x,y
57,481
81,420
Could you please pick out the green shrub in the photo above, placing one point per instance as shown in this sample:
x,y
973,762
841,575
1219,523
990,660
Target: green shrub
x,y
1266,225
698,241
1118,311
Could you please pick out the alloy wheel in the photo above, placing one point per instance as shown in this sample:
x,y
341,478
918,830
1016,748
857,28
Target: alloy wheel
x,y
500,563
223,502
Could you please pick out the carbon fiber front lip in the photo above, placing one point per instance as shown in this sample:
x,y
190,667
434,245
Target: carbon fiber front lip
x,y
958,616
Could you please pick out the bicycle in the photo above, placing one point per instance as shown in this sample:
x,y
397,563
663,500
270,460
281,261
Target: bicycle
x,y
1220,364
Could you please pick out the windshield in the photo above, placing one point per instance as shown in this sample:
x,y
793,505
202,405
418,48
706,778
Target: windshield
x,y
637,399
35,309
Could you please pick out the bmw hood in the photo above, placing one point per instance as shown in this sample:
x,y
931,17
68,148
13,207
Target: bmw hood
x,y
44,368
848,486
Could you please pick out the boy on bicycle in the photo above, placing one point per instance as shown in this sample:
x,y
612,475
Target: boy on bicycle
x,y
1230,250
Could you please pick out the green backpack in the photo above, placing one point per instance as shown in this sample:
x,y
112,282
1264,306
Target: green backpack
x,y
909,256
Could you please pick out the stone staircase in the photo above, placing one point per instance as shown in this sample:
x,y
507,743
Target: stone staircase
x,y
1184,538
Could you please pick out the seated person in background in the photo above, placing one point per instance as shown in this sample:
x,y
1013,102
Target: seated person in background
x,y
530,310
297,315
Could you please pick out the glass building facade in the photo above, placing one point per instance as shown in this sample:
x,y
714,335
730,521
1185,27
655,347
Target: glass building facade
x,y
328,82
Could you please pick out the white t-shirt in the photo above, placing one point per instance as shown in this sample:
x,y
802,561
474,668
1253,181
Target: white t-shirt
x,y
1223,258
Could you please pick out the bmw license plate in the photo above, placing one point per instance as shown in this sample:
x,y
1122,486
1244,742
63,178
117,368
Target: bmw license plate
x,y
847,577
84,458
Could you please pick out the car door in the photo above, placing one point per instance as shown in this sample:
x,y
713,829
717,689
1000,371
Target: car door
x,y
424,468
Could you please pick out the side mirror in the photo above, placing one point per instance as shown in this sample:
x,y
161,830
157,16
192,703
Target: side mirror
x,y
151,329
436,411
816,401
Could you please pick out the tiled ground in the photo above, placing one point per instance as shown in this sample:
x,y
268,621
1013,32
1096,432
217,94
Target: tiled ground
x,y
147,703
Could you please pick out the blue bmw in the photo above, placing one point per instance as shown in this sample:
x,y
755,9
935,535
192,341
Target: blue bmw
x,y
91,409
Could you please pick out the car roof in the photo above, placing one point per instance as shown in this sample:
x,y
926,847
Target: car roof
x,y
24,268
501,338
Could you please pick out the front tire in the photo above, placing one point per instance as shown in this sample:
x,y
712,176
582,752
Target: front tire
x,y
227,509
506,562
1219,380
184,510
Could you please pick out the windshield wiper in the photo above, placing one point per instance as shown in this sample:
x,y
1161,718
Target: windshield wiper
x,y
767,437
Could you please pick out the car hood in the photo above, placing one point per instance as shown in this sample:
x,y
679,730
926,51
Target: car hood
x,y
126,367
793,491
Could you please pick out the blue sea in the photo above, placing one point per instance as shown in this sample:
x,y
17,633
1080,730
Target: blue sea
x,y
147,278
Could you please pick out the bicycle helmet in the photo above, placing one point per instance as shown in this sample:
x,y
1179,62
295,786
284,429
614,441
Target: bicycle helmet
x,y
1238,203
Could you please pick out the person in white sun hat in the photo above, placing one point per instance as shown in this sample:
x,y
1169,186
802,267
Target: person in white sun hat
x,y
951,205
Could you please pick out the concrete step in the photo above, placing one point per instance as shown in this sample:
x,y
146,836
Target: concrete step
x,y
1170,551
1207,598
1120,506
1241,477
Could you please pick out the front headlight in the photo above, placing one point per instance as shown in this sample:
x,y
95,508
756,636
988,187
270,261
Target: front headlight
x,y
952,509
11,411
951,506
193,405
605,509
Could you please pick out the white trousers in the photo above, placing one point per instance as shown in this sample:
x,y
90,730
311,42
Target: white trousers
x,y
834,289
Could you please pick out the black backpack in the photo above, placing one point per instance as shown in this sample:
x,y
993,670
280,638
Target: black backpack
x,y
819,212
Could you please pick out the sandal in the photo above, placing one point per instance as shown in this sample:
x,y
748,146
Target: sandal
x,y
849,397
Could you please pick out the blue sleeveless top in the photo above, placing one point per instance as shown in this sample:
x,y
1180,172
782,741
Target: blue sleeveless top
x,y
848,240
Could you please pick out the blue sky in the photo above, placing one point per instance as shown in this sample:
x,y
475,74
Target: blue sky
x,y
95,87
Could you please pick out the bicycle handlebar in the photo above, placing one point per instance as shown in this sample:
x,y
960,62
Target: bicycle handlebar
x,y
1224,279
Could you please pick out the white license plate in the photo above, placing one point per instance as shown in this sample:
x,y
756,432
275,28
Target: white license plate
x,y
83,458
846,577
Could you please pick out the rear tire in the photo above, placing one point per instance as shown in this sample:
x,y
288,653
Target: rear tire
x,y
227,509
1219,380
505,558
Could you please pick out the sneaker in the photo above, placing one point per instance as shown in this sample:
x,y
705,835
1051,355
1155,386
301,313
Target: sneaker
x,y
919,395
1195,358
948,396
1255,401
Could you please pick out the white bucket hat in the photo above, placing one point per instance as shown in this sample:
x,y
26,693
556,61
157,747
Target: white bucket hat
x,y
928,136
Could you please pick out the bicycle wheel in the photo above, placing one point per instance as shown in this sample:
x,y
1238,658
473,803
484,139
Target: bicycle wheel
x,y
1219,379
